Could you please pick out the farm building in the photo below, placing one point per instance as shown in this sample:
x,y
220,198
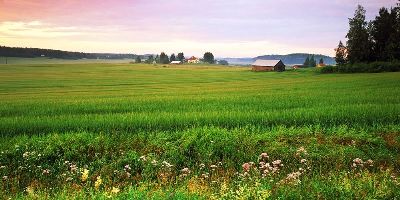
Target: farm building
x,y
297,66
268,65
193,60
176,62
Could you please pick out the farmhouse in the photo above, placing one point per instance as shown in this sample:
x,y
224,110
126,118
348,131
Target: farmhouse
x,y
268,65
193,60
176,62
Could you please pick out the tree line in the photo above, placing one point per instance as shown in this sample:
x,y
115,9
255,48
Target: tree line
x,y
163,58
50,53
376,40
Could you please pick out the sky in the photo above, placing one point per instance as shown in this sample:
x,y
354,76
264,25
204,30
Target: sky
x,y
234,28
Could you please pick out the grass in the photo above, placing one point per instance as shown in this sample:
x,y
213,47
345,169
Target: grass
x,y
103,117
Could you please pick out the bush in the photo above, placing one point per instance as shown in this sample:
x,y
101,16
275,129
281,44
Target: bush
x,y
374,67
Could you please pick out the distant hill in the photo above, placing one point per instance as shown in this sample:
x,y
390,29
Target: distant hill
x,y
290,59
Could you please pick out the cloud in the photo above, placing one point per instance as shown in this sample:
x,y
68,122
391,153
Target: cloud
x,y
35,29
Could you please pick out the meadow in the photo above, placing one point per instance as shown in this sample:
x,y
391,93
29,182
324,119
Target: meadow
x,y
196,132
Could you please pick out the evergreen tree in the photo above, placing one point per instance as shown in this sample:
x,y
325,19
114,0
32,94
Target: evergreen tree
x,y
341,54
321,61
181,57
209,58
383,27
164,58
307,62
157,59
393,47
313,62
172,58
138,59
358,44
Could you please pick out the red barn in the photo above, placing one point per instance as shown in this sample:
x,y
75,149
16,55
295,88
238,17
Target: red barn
x,y
268,65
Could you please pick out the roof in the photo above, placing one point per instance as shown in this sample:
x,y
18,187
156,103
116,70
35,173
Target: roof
x,y
176,62
192,58
266,63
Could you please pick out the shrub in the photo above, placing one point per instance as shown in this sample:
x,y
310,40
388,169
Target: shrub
x,y
374,67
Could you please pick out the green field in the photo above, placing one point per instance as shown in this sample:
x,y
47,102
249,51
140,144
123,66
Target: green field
x,y
103,117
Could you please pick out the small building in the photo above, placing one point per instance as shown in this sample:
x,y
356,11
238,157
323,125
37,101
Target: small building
x,y
268,65
193,60
176,62
321,65
297,66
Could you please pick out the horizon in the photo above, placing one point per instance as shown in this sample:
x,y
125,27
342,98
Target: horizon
x,y
232,29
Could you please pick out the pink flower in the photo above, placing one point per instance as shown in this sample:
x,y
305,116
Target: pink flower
x,y
246,167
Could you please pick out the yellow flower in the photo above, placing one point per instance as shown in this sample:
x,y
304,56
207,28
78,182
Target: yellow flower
x,y
98,182
85,175
115,190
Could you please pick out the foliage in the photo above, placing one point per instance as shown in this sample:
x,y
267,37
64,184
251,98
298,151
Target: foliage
x,y
208,58
172,58
358,43
341,54
223,62
373,67
50,53
164,58
138,59
181,57
150,59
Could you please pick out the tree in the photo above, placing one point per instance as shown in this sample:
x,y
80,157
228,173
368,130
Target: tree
x,y
321,61
313,62
150,59
341,54
382,28
181,57
138,59
358,44
307,62
393,47
172,58
164,58
223,62
157,59
209,58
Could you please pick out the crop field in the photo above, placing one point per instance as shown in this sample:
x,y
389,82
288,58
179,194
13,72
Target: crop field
x,y
138,131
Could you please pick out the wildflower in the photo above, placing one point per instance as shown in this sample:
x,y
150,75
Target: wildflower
x,y
143,158
2,167
25,155
166,164
264,156
154,162
66,162
73,168
370,163
301,151
185,170
202,166
5,178
30,190
205,175
303,161
127,168
98,182
69,179
115,190
293,178
46,172
85,175
128,174
220,164
277,163
246,167
213,167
